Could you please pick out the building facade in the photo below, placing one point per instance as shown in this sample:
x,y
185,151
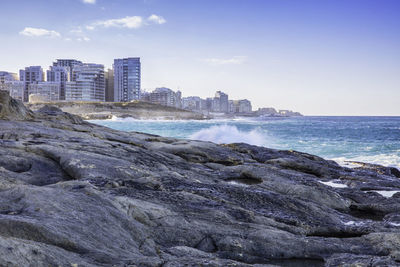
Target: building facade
x,y
30,75
127,79
242,106
45,91
163,96
15,88
193,103
60,75
109,75
68,64
88,83
220,102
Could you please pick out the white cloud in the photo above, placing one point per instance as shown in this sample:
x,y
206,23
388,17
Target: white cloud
x,y
156,19
76,31
83,39
38,32
132,22
92,2
230,61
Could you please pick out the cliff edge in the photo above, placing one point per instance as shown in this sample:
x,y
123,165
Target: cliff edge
x,y
77,194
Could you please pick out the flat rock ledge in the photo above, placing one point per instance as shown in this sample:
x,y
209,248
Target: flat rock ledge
x,y
77,194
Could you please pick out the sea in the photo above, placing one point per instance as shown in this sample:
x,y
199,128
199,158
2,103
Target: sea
x,y
343,139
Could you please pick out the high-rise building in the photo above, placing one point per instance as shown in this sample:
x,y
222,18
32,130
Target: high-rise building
x,y
45,91
245,106
88,83
165,96
60,75
178,99
240,106
30,75
221,100
69,64
215,105
109,85
193,103
127,79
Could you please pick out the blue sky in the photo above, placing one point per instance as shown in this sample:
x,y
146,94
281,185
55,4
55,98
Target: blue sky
x,y
330,57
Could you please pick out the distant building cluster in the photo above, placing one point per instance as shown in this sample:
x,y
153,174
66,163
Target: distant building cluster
x,y
163,96
271,112
220,103
73,80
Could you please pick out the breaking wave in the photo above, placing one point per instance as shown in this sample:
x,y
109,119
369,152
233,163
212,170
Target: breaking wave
x,y
225,134
391,160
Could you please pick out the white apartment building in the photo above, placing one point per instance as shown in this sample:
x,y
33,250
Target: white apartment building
x,y
88,83
60,75
240,106
164,96
30,75
45,91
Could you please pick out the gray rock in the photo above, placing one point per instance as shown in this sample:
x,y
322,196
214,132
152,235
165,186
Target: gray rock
x,y
77,194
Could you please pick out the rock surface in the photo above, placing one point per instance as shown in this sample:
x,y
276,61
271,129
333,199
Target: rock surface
x,y
106,110
78,194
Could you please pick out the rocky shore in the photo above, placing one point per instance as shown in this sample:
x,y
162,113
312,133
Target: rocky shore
x,y
106,110
77,194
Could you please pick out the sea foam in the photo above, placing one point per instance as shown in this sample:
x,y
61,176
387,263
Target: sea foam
x,y
390,160
225,134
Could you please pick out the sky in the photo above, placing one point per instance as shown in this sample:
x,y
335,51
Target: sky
x,y
318,57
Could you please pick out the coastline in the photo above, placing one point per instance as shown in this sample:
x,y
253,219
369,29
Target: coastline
x,y
138,110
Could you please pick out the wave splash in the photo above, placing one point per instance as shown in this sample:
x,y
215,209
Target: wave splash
x,y
225,134
388,160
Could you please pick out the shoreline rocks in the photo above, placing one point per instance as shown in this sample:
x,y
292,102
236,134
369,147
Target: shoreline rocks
x,y
78,194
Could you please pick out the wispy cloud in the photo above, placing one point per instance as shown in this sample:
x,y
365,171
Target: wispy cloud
x,y
221,61
132,22
77,30
38,32
92,2
83,39
156,19
79,34
129,22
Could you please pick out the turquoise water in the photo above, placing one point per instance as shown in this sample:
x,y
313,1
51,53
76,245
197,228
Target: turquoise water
x,y
368,139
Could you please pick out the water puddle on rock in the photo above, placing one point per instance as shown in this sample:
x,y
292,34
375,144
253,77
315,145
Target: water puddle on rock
x,y
333,184
385,193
